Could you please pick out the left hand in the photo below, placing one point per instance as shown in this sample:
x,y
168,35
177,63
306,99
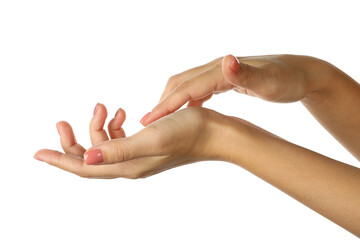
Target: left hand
x,y
180,138
276,78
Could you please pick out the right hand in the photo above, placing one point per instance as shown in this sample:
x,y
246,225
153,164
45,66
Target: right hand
x,y
277,78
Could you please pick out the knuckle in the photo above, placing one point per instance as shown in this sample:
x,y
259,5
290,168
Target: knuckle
x,y
172,80
184,84
184,87
123,153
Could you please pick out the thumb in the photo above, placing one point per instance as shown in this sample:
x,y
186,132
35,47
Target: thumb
x,y
120,150
240,74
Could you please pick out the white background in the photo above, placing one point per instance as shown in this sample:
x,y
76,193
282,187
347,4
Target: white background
x,y
59,58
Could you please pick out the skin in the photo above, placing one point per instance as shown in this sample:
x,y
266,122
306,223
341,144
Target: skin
x,y
328,93
197,134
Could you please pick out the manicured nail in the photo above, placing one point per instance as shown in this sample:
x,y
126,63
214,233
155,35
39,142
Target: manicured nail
x,y
37,158
93,157
117,112
145,117
96,108
235,66
57,128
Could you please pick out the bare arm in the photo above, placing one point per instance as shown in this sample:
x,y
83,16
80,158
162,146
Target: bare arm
x,y
337,107
327,186
327,92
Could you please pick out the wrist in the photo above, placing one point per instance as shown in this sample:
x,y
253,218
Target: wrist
x,y
229,136
239,141
322,79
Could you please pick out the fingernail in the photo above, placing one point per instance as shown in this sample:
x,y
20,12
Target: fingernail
x,y
37,158
96,108
235,66
57,128
117,112
145,117
93,157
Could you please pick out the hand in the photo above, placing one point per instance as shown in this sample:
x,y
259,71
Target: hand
x,y
196,134
72,160
180,138
277,78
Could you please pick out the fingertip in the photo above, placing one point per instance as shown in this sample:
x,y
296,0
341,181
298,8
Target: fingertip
x,y
230,64
145,119
62,124
231,69
39,155
98,120
64,128
96,109
154,116
93,157
46,155
100,109
119,111
59,126
37,158
120,115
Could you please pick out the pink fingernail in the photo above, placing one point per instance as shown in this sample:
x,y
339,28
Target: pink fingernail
x,y
37,158
145,117
96,108
93,157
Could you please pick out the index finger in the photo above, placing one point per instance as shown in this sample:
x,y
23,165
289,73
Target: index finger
x,y
198,87
175,80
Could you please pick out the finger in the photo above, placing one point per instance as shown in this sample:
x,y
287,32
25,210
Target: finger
x,y
97,132
67,162
115,125
175,80
196,88
195,103
124,149
68,140
242,75
199,102
76,165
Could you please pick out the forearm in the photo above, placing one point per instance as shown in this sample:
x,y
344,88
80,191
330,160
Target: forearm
x,y
335,103
327,186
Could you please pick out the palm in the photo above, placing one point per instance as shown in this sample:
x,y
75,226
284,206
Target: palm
x,y
165,144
